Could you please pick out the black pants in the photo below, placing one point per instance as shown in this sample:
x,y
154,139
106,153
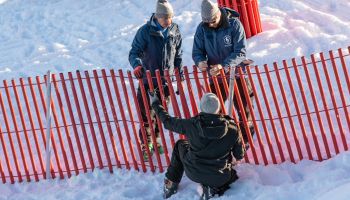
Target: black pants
x,y
176,168
146,105
236,105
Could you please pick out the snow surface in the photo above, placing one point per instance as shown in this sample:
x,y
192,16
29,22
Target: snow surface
x,y
65,35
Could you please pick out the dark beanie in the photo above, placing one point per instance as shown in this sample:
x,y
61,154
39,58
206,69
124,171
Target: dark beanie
x,y
209,10
164,9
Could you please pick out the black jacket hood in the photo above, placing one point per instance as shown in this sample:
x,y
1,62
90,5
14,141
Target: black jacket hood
x,y
212,126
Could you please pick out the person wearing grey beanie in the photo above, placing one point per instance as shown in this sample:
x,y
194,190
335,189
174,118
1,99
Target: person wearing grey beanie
x,y
213,143
210,103
164,9
220,43
157,45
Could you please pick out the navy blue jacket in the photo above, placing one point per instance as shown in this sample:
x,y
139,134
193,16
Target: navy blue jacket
x,y
152,51
225,45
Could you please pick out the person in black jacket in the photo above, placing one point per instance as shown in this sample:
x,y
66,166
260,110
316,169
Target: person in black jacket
x,y
157,46
220,43
207,155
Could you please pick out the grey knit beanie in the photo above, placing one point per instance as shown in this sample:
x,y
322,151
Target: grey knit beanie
x,y
209,10
210,103
164,9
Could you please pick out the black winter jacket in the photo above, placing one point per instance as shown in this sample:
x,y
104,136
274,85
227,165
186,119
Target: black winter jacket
x,y
214,140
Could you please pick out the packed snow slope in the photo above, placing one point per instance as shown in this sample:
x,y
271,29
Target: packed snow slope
x,y
66,35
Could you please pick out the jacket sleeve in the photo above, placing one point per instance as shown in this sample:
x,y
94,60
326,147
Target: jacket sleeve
x,y
178,53
239,40
199,53
175,124
238,149
139,44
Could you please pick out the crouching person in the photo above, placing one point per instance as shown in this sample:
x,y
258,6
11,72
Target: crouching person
x,y
213,144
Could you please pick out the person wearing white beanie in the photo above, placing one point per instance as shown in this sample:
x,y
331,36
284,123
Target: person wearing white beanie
x,y
207,155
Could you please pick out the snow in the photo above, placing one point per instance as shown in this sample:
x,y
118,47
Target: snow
x,y
65,35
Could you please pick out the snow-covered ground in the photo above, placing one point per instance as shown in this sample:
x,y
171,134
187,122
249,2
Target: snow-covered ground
x,y
66,35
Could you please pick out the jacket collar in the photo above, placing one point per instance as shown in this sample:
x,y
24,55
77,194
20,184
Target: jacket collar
x,y
154,29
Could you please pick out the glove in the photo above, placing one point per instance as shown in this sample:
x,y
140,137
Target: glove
x,y
138,72
243,65
203,66
153,97
215,69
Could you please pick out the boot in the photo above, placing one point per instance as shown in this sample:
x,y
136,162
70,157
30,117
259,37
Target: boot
x,y
170,188
144,151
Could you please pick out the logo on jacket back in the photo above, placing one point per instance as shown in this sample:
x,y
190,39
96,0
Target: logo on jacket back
x,y
227,40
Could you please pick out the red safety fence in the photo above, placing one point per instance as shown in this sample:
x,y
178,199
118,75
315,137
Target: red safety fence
x,y
249,14
300,111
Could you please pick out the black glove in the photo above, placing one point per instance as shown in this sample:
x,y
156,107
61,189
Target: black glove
x,y
153,97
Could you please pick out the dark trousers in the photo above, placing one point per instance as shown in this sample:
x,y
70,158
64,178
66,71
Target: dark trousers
x,y
236,105
176,168
146,105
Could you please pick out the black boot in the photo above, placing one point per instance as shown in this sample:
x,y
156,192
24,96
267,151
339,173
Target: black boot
x,y
208,192
170,188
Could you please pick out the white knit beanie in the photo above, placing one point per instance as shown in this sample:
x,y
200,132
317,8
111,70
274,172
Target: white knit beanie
x,y
209,10
164,9
210,103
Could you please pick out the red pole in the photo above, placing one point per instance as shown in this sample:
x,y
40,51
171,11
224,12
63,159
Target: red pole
x,y
75,129
250,105
151,89
51,135
278,141
97,115
19,106
110,132
275,100
142,127
318,151
286,104
219,95
161,131
257,15
198,84
345,71
206,82
306,140
340,89
176,109
60,104
262,118
2,173
251,17
190,92
150,123
35,102
245,122
8,164
130,111
162,94
81,121
319,119
121,109
16,130
244,18
87,110
63,149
